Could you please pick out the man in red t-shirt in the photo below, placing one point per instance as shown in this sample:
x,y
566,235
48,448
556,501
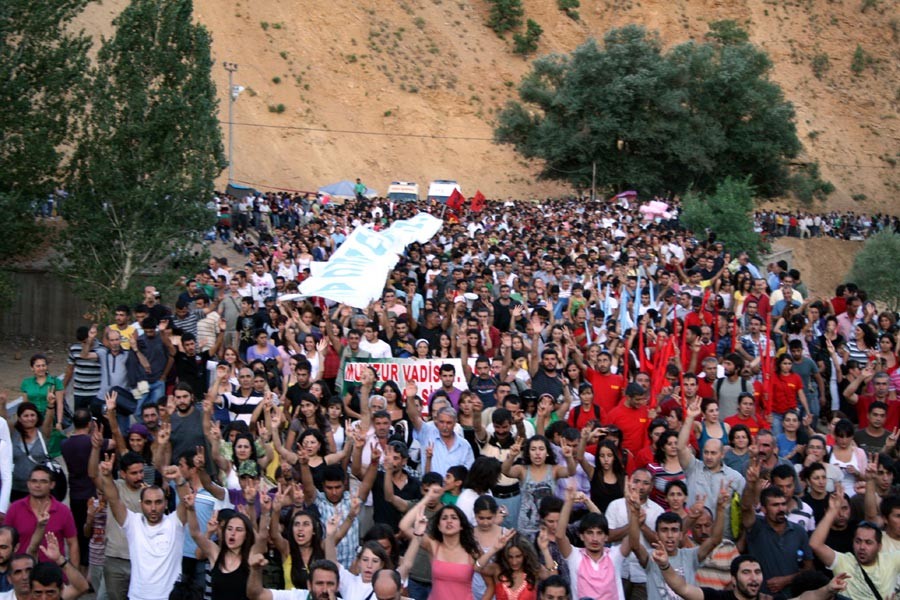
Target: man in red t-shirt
x,y
632,417
607,386
758,295
746,414
696,349
881,391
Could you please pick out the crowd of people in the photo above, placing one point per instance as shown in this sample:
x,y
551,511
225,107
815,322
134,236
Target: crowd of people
x,y
626,409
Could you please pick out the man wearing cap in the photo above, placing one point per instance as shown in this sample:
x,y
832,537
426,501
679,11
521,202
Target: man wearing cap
x,y
632,418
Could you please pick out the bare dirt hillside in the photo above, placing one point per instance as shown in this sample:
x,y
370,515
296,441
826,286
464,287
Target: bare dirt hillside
x,y
404,70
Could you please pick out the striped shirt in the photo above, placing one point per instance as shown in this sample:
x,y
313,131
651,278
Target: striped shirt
x,y
86,371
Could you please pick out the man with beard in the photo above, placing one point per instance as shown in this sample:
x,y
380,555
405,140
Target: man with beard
x,y
187,422
544,371
155,540
746,577
9,539
873,573
324,581
780,546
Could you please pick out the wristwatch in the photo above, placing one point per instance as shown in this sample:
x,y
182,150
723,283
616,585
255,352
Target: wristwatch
x,y
64,562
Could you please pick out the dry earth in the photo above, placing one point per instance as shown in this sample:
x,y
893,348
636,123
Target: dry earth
x,y
433,68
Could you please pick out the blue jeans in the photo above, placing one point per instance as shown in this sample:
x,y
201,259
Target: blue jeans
x,y
777,428
156,393
418,591
511,520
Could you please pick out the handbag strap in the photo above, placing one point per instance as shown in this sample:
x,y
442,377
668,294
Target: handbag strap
x,y
40,438
869,581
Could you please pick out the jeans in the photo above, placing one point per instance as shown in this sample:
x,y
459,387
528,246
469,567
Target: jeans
x,y
777,420
511,520
98,582
418,591
117,576
156,393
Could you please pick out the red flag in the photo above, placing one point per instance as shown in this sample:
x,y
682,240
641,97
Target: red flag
x,y
456,200
658,379
478,201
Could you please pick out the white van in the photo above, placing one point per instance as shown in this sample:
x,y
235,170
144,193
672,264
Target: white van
x,y
442,189
403,191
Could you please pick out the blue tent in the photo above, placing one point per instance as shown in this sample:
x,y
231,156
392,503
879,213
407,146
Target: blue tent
x,y
344,189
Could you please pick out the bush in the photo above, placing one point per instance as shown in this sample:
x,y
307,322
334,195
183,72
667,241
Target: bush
x,y
728,213
277,108
570,8
527,43
807,184
820,65
861,60
505,15
875,268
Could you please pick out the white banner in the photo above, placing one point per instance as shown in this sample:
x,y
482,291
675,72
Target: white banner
x,y
356,272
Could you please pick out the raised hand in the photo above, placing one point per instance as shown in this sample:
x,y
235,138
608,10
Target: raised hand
x,y
171,473
215,432
200,458
111,401
504,539
331,525
660,556
189,501
51,548
257,561
265,502
421,524
429,450
355,507
106,466
724,496
543,540
96,435
43,517
376,452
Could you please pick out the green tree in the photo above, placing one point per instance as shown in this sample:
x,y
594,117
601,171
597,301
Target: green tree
x,y
728,212
42,66
658,122
143,172
527,43
876,266
505,15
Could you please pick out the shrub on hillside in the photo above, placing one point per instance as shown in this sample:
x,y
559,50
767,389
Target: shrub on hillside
x,y
875,268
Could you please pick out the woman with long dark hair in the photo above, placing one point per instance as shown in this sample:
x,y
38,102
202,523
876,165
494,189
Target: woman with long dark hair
x,y
312,444
29,435
455,554
517,570
302,545
229,559
665,467
607,475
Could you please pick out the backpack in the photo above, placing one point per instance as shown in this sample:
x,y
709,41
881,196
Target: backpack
x,y
577,413
719,383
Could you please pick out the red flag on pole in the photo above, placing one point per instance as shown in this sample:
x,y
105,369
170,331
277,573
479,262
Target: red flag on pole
x,y
478,201
456,200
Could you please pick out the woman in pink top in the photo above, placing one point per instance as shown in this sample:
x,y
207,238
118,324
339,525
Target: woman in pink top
x,y
455,555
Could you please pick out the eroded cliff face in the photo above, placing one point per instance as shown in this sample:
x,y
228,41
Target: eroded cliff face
x,y
409,89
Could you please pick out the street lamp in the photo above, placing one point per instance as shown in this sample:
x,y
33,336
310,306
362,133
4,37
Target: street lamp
x,y
233,92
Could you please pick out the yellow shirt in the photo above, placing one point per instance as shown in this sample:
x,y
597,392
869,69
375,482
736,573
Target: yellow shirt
x,y
126,333
883,573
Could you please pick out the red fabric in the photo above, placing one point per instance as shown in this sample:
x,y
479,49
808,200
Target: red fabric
x,y
640,460
478,201
839,304
633,422
608,389
893,412
784,392
752,424
762,303
703,317
456,200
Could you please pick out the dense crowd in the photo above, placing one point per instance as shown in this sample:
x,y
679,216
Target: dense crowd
x,y
623,409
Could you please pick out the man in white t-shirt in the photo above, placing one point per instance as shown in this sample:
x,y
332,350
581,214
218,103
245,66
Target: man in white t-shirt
x,y
155,540
377,348
324,581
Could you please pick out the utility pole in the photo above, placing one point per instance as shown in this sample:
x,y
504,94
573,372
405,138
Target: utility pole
x,y
594,182
232,96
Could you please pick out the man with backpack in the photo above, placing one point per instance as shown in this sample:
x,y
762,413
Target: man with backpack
x,y
730,388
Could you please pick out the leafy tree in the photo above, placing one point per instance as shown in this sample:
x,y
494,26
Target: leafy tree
x,y
728,213
727,32
42,66
505,15
807,184
861,60
876,266
144,170
658,122
527,43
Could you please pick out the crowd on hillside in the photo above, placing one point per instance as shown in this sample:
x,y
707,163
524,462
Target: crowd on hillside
x,y
622,408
